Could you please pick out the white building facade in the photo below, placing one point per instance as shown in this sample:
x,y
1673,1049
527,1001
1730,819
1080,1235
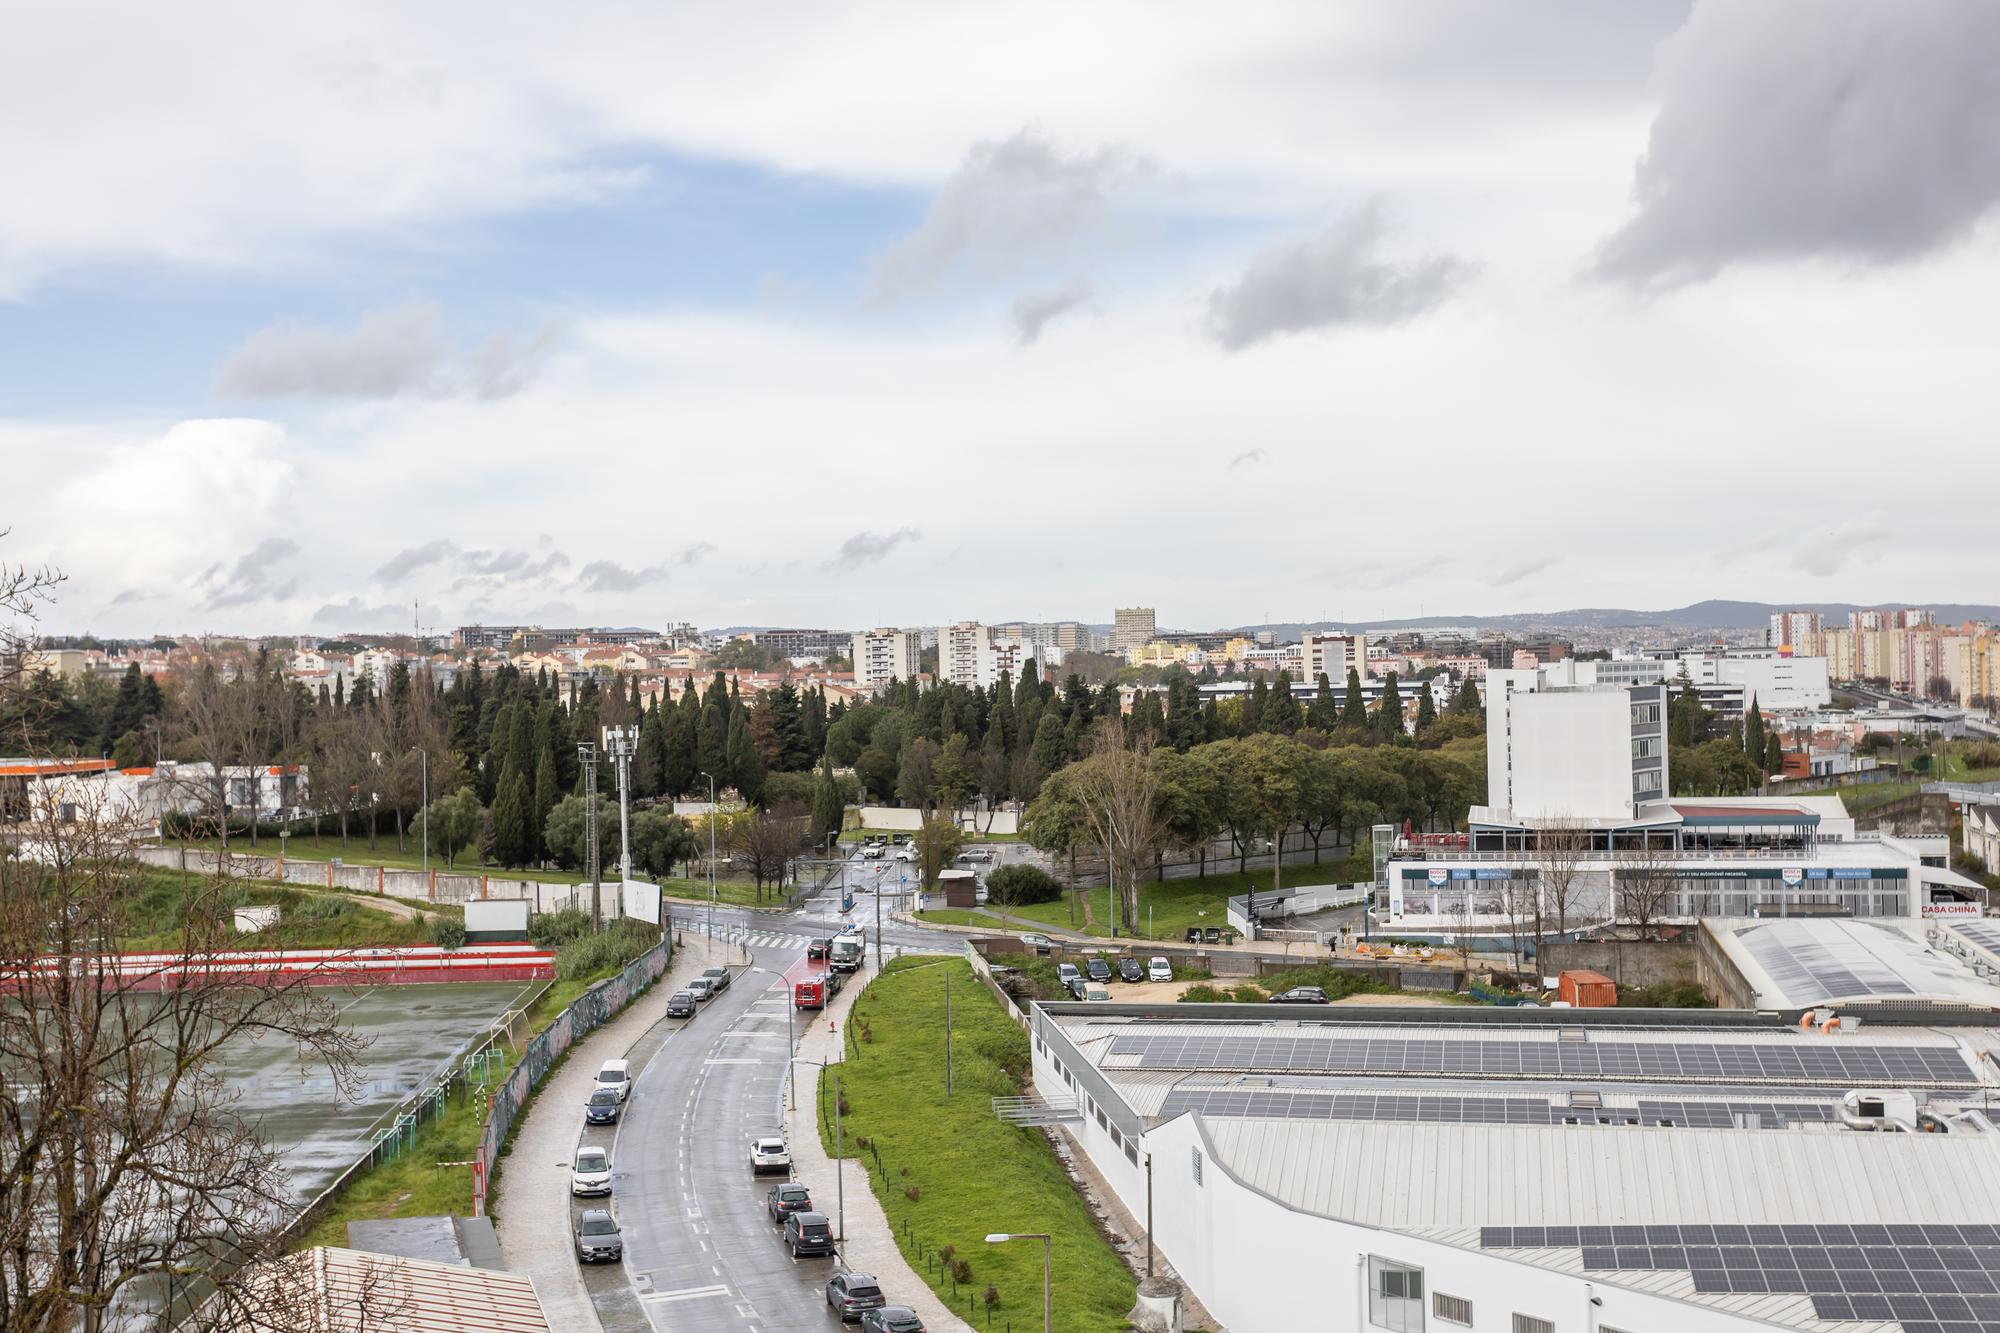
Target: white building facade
x,y
885,655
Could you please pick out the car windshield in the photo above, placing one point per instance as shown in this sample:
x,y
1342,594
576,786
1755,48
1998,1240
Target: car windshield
x,y
599,1226
791,1193
604,1097
903,1324
610,1076
770,1145
864,1292
813,1231
591,1159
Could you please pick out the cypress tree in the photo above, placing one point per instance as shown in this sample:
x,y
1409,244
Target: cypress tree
x,y
1753,732
510,821
1281,710
127,709
1389,713
1354,713
1051,749
1774,753
547,789
1426,711
1323,714
1254,705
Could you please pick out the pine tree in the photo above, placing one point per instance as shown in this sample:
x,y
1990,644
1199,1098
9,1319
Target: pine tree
x,y
1774,753
1051,748
1753,732
1389,713
1281,711
127,709
1254,705
788,728
1466,702
1426,710
547,791
1354,713
510,821
1323,714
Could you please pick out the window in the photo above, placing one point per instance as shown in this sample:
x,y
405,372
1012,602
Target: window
x,y
1527,1323
1197,1166
1395,1296
1451,1309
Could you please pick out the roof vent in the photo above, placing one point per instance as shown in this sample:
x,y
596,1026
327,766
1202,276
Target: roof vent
x,y
1573,1034
1892,1112
1585,1098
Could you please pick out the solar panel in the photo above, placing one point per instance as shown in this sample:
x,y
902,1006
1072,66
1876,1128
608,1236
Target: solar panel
x,y
1983,933
1783,1062
1812,966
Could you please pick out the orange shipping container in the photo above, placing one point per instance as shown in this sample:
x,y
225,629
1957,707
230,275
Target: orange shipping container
x,y
1587,990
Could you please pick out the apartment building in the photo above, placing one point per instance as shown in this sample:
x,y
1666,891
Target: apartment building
x,y
1797,630
1047,637
1334,655
814,643
1132,627
886,654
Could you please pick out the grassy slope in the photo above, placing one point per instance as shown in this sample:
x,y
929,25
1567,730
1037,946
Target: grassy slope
x,y
153,915
1177,903
972,1173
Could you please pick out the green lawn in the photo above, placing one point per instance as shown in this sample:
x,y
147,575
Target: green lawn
x,y
956,916
741,892
155,909
1175,904
950,1171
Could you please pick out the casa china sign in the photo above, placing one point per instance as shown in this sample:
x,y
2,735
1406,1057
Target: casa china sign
x,y
1952,909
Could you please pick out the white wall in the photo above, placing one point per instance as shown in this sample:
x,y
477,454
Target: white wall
x,y
1572,754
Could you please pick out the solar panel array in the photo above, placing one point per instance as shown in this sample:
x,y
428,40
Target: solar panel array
x,y
1983,933
1933,1278
1811,968
1767,1062
1295,1104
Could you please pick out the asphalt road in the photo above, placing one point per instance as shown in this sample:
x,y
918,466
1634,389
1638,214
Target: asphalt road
x,y
701,1255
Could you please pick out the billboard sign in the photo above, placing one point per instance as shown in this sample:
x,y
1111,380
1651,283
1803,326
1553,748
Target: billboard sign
x,y
640,901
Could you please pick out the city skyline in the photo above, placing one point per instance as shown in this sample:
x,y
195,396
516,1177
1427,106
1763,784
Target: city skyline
x,y
1478,306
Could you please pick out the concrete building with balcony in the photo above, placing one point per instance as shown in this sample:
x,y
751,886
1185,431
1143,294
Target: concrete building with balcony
x,y
1334,655
885,655
1132,626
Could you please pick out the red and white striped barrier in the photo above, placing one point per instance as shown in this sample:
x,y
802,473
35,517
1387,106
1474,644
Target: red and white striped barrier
x,y
315,967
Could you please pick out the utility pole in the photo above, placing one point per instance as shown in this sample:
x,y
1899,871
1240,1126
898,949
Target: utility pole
x,y
620,743
711,854
424,766
586,755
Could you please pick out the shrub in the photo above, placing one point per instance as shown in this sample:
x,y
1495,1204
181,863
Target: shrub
x,y
1020,885
552,930
319,907
1202,993
1247,994
447,932
912,1193
612,949
961,1270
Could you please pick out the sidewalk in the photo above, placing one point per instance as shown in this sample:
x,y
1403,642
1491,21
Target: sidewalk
x,y
534,1238
870,1246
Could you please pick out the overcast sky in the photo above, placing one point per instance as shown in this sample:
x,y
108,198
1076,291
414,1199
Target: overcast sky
x,y
846,314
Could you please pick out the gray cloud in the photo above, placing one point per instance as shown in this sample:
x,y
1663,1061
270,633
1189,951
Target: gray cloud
x,y
1786,130
1827,551
1334,278
253,578
1249,458
1035,311
1509,575
610,576
406,562
388,353
865,548
353,614
694,553
1011,203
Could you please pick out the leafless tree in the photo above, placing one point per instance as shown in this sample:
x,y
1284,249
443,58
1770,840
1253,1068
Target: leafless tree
x,y
127,1171
768,841
1646,887
202,718
22,589
1561,850
1119,795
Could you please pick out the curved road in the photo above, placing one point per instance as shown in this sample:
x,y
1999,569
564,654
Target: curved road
x,y
701,1255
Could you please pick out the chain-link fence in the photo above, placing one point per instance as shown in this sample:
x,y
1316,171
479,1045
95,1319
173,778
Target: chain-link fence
x,y
584,1015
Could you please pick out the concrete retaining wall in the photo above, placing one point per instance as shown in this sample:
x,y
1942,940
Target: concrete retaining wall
x,y
1630,963
438,886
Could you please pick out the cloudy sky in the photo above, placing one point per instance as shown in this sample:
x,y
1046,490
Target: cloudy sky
x,y
862,313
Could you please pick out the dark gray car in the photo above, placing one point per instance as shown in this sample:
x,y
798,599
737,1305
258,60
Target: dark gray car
x,y
681,1004
854,1294
597,1237
717,979
892,1319
808,1233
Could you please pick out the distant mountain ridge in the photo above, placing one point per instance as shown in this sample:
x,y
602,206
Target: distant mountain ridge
x,y
1713,614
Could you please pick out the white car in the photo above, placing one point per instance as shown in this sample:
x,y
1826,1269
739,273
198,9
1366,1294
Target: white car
x,y
591,1172
769,1155
617,1076
905,854
1159,969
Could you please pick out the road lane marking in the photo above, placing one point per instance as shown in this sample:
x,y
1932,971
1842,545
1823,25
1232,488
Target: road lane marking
x,y
684,1294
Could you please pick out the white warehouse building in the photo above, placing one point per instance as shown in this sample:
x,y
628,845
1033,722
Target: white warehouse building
x,y
1545,1171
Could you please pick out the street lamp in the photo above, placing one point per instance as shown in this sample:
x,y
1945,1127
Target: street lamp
x,y
711,856
998,1237
839,1177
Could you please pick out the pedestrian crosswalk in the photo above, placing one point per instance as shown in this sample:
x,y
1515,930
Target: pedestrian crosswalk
x,y
755,939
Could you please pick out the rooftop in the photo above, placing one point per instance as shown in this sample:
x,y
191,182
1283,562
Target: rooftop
x,y
1799,962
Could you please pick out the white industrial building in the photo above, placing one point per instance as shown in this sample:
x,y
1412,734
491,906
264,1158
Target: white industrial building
x,y
1547,1171
1725,680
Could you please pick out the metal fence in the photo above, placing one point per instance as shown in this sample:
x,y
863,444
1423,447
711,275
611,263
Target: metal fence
x,y
584,1015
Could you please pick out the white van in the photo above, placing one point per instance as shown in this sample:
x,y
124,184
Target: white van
x,y
617,1076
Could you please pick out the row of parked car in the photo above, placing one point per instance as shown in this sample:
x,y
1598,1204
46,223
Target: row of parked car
x,y
1089,981
596,1231
808,1233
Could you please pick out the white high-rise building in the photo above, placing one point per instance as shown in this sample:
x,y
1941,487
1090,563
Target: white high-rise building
x,y
1132,627
959,649
1798,630
1573,753
883,655
1332,655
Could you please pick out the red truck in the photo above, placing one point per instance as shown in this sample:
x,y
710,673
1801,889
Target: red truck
x,y
813,984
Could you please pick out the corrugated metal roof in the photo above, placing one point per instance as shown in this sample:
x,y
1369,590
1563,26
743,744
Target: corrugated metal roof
x,y
1412,1176
360,1292
1799,962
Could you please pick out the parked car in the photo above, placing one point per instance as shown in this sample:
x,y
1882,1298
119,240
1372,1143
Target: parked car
x,y
808,1233
602,1107
1131,969
681,1004
892,1319
1300,995
769,1155
1077,987
1093,991
905,854
854,1294
1039,943
617,1076
1159,969
786,1199
597,1237
817,948
717,979
590,1173
1066,973
1097,970
872,853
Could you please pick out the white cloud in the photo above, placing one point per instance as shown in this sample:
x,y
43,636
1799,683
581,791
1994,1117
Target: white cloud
x,y
1037,310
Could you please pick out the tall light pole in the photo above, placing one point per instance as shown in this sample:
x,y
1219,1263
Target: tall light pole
x,y
839,1176
586,755
711,856
424,766
1001,1237
620,743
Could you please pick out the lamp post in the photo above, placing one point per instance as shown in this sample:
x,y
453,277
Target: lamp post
x,y
424,766
620,744
711,856
839,1176
1000,1237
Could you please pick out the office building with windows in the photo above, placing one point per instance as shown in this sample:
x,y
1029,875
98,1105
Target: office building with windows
x,y
885,655
1132,627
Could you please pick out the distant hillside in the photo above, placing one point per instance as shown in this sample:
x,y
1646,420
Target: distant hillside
x,y
1718,615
